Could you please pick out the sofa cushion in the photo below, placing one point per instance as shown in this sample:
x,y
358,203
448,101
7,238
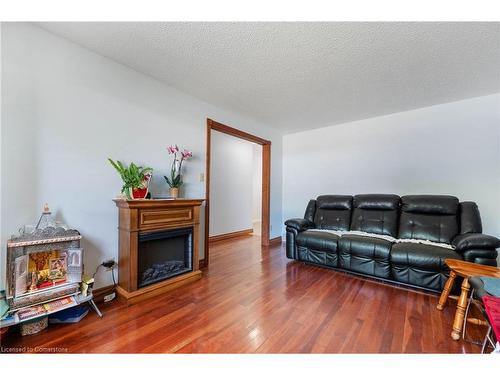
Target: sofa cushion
x,y
366,255
429,217
376,213
430,204
421,265
385,202
317,240
333,212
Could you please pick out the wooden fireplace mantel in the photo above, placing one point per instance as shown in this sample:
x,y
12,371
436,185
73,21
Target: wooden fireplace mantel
x,y
146,216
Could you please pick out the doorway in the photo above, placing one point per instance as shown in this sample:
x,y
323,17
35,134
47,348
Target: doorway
x,y
266,179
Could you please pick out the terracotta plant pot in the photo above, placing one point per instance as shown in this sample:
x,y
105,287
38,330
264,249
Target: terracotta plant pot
x,y
174,192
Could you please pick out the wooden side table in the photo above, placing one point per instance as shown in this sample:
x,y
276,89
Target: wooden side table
x,y
465,270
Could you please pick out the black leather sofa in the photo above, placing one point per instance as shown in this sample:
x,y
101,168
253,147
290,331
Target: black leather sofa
x,y
335,232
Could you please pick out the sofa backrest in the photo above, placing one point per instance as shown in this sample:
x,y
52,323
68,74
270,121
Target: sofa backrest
x,y
470,219
310,210
376,213
333,212
429,217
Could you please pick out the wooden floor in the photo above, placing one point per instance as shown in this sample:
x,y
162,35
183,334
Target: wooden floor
x,y
256,300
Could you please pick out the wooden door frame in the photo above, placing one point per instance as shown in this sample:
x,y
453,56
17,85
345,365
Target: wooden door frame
x,y
266,179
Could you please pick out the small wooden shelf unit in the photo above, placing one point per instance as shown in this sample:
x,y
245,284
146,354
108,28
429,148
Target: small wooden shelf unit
x,y
146,216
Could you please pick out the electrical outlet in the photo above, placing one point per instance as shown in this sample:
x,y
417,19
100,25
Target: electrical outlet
x,y
202,177
109,264
109,297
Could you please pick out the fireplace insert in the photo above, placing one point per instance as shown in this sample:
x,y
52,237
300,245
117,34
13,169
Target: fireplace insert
x,y
165,254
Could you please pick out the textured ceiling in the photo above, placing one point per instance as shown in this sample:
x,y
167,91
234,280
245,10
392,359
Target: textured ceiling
x,y
295,76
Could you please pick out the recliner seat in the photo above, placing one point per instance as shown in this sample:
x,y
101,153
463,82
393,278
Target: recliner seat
x,y
318,247
378,215
421,265
405,240
365,255
426,219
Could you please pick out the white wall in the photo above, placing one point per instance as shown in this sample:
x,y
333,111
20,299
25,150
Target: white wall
x,y
235,184
19,148
452,149
231,169
257,183
66,109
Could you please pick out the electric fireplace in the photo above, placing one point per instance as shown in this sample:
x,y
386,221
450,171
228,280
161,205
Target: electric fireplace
x,y
165,254
158,246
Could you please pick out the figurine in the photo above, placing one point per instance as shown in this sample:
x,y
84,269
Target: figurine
x,y
34,280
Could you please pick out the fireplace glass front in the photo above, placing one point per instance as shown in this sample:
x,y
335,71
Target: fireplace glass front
x,y
165,254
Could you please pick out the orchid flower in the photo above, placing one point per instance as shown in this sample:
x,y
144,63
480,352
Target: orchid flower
x,y
186,154
172,149
175,179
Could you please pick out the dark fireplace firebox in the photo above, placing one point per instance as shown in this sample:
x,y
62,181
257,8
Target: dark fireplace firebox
x,y
165,254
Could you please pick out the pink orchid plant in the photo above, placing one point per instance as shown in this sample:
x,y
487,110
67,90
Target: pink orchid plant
x,y
175,179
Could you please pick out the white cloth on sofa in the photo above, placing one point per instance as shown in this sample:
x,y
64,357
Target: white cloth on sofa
x,y
426,242
385,237
340,233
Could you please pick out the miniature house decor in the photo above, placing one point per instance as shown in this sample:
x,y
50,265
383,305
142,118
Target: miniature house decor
x,y
43,264
44,270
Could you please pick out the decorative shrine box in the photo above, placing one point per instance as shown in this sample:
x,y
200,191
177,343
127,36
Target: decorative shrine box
x,y
43,264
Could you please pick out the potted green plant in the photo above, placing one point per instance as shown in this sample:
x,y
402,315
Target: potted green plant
x,y
175,179
135,179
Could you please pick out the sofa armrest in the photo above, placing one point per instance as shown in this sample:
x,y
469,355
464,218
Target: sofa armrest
x,y
300,224
468,241
487,257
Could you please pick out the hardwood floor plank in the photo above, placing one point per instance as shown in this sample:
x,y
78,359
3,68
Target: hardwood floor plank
x,y
255,300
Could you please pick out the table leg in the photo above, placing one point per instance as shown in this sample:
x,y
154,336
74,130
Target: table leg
x,y
446,290
460,313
